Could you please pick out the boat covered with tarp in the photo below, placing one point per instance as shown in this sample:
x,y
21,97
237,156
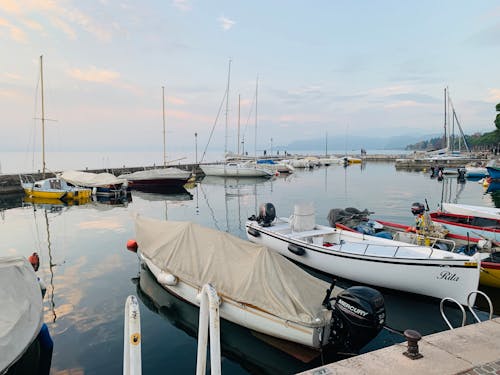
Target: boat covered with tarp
x,y
259,289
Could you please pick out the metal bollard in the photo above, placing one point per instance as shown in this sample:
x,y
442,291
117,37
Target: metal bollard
x,y
412,337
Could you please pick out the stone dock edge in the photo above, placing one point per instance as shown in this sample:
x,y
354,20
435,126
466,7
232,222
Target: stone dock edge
x,y
473,349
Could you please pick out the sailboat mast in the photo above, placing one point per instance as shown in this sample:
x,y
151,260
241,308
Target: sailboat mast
x,y
445,118
163,113
239,110
43,117
256,116
326,144
227,107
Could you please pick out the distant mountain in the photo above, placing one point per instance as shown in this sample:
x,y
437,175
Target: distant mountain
x,y
357,142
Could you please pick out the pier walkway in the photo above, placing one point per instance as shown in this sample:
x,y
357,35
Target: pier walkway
x,y
473,349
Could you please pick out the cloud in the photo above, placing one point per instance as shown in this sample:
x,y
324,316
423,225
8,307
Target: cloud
x,y
403,104
494,95
226,23
175,100
94,75
15,32
61,17
12,76
183,5
32,25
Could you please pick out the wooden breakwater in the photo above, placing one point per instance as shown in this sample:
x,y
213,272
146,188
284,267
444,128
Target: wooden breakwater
x,y
10,184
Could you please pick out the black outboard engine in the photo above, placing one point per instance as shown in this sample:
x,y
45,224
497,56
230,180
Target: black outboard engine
x,y
357,317
267,214
417,208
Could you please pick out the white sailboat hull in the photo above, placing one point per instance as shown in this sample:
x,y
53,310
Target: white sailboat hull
x,y
373,260
235,170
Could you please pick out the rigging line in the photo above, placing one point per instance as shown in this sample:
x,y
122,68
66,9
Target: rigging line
x,y
250,112
213,127
210,208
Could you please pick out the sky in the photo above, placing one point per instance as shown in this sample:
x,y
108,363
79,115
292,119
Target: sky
x,y
376,68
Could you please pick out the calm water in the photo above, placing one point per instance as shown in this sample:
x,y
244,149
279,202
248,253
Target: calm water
x,y
90,273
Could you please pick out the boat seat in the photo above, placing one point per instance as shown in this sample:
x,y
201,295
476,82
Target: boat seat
x,y
311,233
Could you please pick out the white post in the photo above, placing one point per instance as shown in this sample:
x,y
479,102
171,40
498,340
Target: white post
x,y
132,338
209,310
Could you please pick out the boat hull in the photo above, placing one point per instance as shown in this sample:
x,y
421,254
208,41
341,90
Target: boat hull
x,y
158,185
490,274
493,172
245,315
235,171
463,225
432,277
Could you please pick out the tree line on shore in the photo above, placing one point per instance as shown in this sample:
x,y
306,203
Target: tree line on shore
x,y
477,141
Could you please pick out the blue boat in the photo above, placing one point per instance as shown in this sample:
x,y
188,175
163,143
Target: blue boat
x,y
494,172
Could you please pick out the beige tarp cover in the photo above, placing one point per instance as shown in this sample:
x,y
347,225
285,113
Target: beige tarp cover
x,y
238,269
88,179
21,312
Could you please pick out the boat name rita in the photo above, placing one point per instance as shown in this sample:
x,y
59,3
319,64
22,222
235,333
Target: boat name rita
x,y
353,309
447,275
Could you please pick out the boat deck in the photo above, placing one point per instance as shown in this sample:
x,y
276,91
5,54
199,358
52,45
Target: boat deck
x,y
358,244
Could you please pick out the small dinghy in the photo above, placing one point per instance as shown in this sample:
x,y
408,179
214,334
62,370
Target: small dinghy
x,y
367,259
258,288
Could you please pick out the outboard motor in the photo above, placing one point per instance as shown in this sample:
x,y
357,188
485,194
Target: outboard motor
x,y
267,214
417,208
358,315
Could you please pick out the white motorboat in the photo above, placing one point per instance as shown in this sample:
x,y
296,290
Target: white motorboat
x,y
157,179
367,259
471,210
237,170
103,184
258,288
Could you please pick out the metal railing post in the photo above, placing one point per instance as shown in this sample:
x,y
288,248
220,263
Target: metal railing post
x,y
209,320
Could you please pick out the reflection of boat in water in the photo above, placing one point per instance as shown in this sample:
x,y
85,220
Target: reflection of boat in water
x,y
51,202
181,195
233,181
238,343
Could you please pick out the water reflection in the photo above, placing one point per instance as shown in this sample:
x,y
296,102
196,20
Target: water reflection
x,y
237,192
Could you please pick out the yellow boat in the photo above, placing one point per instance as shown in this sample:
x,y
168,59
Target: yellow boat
x,y
53,188
490,271
352,160
50,188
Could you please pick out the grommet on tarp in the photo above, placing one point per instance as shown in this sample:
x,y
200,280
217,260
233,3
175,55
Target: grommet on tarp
x,y
412,337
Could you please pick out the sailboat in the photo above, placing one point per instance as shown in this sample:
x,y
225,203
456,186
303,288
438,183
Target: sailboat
x,y
448,152
54,187
234,168
158,179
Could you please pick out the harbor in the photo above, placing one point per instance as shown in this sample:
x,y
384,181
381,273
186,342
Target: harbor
x,y
90,273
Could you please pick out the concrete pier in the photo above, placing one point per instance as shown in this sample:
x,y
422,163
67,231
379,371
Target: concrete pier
x,y
473,349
